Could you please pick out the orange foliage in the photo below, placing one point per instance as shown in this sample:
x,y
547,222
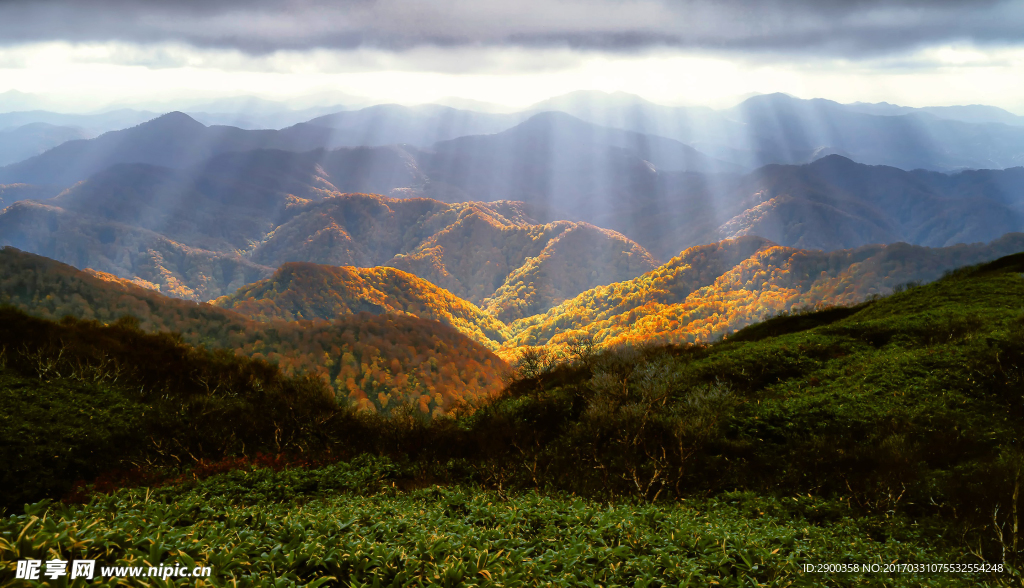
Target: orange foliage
x,y
309,291
711,290
356,354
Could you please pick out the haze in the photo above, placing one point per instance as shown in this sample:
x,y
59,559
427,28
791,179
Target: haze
x,y
81,56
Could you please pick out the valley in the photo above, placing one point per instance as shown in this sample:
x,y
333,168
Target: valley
x,y
798,317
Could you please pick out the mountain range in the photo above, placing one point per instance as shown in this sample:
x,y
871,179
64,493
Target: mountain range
x,y
217,239
761,130
778,128
22,142
710,291
702,295
528,228
204,231
645,187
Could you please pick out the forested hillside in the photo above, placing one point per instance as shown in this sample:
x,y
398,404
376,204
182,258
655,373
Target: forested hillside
x,y
707,292
375,362
306,291
887,428
201,239
11,193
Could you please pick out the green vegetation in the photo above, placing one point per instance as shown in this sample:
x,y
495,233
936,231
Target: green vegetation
x,y
82,399
895,423
910,404
349,524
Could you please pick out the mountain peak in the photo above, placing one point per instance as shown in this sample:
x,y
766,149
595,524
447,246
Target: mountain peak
x,y
176,119
834,159
774,97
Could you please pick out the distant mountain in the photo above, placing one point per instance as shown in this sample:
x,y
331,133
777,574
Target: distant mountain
x,y
420,126
172,140
973,113
12,100
491,254
203,233
835,203
257,116
599,175
569,144
142,256
372,362
710,291
266,204
22,142
577,170
92,124
177,140
795,130
620,110
306,291
777,128
474,105
233,201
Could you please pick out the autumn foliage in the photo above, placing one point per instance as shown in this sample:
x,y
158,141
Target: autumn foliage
x,y
374,362
307,291
709,291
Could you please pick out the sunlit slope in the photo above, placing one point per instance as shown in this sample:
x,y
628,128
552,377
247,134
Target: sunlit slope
x,y
577,258
709,291
905,406
245,214
471,249
367,230
308,291
11,193
375,362
533,267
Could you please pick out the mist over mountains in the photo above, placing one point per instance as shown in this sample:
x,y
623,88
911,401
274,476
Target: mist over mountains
x,y
778,128
514,213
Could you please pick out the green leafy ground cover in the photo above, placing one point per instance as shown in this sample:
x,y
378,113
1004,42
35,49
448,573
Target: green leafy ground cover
x,y
347,525
899,420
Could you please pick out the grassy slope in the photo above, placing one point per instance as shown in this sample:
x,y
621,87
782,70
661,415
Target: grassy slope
x,y
909,404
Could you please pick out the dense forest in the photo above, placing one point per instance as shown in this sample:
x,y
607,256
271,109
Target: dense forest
x,y
710,291
377,362
381,336
307,291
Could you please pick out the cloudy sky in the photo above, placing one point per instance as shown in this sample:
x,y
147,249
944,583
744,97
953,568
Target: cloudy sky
x,y
86,53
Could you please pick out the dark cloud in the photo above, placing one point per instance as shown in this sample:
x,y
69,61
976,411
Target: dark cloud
x,y
838,27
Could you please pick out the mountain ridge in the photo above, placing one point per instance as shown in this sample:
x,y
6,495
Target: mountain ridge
x,y
307,291
370,362
709,291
